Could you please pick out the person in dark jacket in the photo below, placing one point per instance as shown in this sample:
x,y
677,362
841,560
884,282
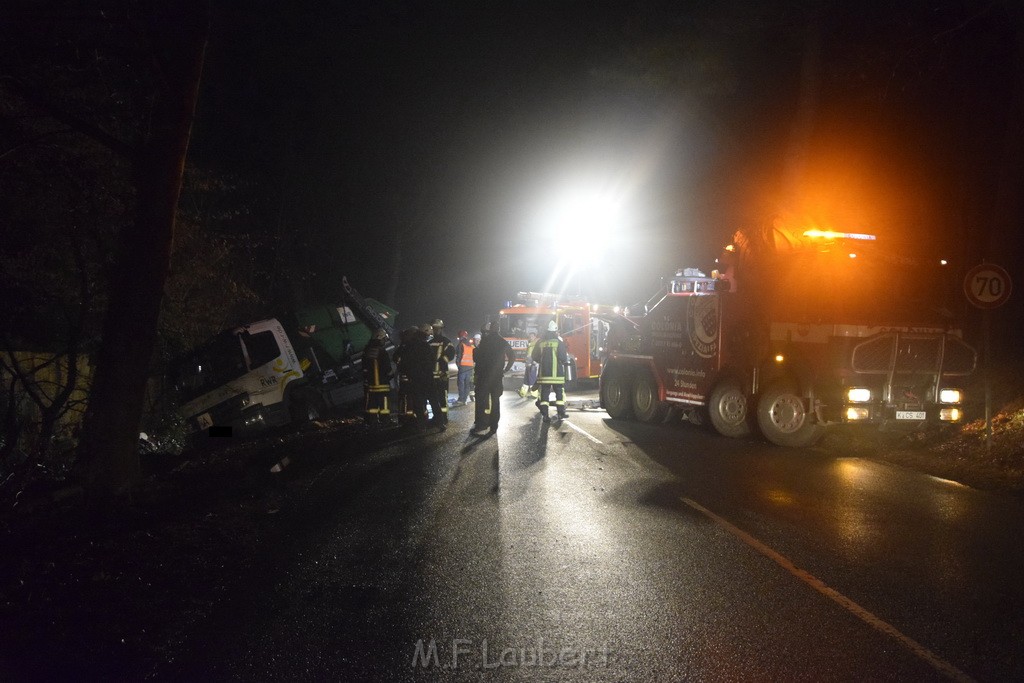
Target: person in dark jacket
x,y
552,359
492,359
377,374
415,361
403,402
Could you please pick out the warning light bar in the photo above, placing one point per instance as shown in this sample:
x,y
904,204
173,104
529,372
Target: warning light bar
x,y
832,235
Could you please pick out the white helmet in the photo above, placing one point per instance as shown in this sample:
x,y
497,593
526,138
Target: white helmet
x,y
552,326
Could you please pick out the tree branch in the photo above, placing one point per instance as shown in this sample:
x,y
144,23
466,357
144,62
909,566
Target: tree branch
x,y
78,125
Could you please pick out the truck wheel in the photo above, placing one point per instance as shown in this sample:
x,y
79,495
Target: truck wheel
x,y
646,405
305,407
784,419
616,395
728,410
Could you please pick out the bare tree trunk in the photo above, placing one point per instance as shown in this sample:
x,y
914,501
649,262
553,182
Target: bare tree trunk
x,y
108,448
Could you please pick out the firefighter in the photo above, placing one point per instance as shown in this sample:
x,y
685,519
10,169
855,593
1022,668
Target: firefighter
x,y
552,358
444,353
464,361
377,374
416,366
493,358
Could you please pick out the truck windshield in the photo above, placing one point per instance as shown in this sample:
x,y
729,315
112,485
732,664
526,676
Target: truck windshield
x,y
519,325
261,348
208,367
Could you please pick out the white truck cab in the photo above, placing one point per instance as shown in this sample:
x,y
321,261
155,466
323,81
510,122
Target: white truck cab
x,y
240,379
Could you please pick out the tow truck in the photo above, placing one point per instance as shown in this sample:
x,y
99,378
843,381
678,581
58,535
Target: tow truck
x,y
796,330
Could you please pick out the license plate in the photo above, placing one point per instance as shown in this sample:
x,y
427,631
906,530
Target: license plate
x,y
910,415
205,421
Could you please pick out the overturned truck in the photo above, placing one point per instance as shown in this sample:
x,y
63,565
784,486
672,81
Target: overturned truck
x,y
279,371
795,331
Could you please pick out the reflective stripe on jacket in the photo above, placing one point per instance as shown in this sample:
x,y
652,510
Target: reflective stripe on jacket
x,y
551,354
444,352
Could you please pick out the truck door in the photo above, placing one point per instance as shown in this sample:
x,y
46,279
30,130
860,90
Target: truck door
x,y
570,326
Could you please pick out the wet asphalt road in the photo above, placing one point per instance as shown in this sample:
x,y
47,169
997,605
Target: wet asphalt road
x,y
602,550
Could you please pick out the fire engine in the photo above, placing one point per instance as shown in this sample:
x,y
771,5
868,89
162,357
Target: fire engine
x,y
796,330
586,328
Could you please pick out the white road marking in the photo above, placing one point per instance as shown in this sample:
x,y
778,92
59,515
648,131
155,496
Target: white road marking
x,y
817,584
583,432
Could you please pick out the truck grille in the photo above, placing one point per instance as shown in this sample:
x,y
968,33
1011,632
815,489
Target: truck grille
x,y
913,355
913,365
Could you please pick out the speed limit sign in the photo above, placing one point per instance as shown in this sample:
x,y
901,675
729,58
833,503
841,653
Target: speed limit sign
x,y
987,285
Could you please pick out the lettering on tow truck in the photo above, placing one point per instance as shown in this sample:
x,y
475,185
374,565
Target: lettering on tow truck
x,y
679,376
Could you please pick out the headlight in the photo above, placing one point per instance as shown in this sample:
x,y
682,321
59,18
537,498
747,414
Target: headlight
x,y
854,414
858,395
949,396
950,415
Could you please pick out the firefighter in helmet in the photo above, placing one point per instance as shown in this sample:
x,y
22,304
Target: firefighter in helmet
x,y
444,353
552,358
377,373
416,366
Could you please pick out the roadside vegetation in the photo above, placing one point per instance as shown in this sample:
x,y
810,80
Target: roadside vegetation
x,y
962,454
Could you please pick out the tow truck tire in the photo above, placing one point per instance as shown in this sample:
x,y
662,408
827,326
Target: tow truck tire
x,y
617,395
646,405
729,410
784,419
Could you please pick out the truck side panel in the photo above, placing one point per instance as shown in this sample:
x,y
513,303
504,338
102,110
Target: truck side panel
x,y
683,336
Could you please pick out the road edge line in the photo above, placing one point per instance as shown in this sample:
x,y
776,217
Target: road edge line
x,y
821,587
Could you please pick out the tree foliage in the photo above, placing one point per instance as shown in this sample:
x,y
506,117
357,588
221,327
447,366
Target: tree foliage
x,y
84,87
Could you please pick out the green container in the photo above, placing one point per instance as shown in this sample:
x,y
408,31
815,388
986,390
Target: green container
x,y
340,330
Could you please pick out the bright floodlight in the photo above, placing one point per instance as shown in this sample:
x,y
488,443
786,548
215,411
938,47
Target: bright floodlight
x,y
580,226
584,224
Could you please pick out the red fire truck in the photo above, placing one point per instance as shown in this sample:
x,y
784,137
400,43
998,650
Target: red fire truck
x,y
799,329
584,326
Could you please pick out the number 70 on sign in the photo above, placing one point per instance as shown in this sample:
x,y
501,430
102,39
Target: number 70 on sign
x,y
987,285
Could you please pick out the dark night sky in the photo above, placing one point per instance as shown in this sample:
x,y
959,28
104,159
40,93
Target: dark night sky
x,y
457,122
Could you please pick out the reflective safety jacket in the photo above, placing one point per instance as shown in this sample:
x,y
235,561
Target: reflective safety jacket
x,y
530,346
377,367
464,355
550,353
444,353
